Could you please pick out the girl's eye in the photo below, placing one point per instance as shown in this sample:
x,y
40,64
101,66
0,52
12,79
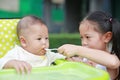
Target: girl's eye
x,y
87,37
81,37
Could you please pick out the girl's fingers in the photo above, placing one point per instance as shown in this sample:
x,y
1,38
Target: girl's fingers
x,y
69,59
77,59
60,50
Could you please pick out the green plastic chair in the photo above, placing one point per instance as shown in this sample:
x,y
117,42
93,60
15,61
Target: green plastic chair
x,y
63,71
8,36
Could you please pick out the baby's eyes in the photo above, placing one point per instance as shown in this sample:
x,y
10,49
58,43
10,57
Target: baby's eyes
x,y
46,38
39,39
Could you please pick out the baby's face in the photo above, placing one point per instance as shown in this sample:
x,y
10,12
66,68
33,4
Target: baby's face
x,y
37,39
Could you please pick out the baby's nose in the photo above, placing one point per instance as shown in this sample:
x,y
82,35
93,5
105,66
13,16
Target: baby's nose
x,y
43,41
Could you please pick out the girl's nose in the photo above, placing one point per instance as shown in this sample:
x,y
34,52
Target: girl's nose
x,y
84,43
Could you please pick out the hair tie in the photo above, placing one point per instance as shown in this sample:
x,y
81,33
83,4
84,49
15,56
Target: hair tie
x,y
110,20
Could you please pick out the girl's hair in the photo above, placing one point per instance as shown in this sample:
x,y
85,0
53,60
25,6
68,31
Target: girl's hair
x,y
107,23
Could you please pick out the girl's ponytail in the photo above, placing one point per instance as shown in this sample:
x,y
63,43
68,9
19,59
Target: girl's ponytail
x,y
116,41
116,37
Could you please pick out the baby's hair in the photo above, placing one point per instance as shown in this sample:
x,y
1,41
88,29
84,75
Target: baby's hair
x,y
26,22
107,23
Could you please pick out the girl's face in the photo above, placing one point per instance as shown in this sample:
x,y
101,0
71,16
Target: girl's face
x,y
90,37
36,39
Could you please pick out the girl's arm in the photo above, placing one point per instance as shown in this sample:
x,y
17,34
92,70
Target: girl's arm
x,y
98,56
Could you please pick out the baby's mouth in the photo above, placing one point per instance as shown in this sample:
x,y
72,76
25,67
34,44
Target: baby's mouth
x,y
43,52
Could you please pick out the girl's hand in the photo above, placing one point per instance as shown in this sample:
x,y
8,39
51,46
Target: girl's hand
x,y
68,50
20,66
74,59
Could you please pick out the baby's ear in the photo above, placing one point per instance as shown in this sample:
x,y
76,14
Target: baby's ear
x,y
107,37
22,41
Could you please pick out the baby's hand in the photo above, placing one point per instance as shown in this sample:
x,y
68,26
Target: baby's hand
x,y
20,66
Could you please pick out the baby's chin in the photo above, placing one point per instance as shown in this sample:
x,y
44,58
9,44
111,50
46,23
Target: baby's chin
x,y
42,54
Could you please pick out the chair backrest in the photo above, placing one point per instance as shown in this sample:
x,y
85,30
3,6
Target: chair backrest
x,y
8,36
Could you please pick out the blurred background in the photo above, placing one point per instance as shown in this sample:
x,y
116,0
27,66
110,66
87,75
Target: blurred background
x,y
61,16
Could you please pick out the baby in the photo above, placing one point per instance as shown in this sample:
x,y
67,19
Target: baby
x,y
33,36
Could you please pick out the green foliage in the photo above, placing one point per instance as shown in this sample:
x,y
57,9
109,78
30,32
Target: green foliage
x,y
56,40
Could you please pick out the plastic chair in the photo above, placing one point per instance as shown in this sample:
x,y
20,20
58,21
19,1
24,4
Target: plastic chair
x,y
63,71
8,36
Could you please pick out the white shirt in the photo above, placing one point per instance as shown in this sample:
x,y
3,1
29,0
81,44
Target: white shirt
x,y
18,53
99,66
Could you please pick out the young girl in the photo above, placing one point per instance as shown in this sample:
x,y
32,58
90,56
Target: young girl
x,y
100,36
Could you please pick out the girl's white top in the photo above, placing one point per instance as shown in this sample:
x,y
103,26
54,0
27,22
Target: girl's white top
x,y
18,53
99,66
